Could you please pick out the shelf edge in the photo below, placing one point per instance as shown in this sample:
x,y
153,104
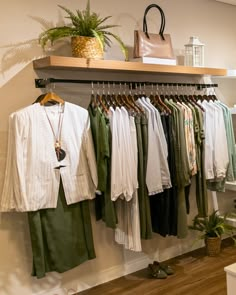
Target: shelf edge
x,y
60,62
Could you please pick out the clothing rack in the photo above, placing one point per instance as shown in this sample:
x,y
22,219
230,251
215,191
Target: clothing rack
x,y
42,83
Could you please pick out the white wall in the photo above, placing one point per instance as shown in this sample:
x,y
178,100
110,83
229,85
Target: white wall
x,y
21,23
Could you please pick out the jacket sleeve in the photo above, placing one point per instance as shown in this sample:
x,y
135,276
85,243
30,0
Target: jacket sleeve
x,y
13,193
209,129
221,156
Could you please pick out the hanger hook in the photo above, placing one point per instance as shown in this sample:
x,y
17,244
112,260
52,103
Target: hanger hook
x,y
51,85
113,88
168,88
152,89
130,88
92,88
162,88
157,88
177,88
103,87
120,88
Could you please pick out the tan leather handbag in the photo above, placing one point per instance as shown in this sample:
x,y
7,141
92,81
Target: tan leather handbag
x,y
153,45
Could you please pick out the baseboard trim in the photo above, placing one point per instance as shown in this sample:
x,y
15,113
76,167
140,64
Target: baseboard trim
x,y
114,273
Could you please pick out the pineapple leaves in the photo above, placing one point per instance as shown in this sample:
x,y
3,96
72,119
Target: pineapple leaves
x,y
83,23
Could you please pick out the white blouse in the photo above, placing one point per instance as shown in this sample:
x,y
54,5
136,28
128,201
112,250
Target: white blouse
x,y
31,180
216,147
161,142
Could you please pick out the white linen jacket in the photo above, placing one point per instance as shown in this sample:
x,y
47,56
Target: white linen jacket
x,y
31,180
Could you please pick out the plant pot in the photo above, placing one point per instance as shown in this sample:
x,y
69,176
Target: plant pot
x,y
86,47
213,245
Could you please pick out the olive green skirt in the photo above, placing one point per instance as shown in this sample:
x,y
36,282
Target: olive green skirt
x,y
61,238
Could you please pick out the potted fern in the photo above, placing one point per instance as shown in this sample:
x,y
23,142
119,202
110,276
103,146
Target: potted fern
x,y
211,229
88,33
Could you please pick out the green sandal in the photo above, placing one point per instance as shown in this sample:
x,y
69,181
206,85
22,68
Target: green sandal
x,y
157,272
166,268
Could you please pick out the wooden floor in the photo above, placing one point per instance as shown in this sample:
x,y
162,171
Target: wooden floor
x,y
195,274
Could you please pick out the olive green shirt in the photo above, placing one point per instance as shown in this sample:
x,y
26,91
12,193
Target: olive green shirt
x,y
101,144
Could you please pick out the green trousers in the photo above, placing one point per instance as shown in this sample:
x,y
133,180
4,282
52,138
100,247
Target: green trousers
x,y
144,202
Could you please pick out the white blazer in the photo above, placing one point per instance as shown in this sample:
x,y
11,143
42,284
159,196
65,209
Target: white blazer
x,y
31,180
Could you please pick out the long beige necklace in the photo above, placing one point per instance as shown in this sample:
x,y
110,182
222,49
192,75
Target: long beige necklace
x,y
60,153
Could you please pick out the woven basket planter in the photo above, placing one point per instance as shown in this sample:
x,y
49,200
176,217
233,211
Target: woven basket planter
x,y
86,47
213,245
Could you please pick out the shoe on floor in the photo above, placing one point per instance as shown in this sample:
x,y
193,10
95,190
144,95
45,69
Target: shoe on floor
x,y
157,272
166,268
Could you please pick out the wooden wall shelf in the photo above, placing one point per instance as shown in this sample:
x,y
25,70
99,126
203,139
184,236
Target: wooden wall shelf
x,y
72,63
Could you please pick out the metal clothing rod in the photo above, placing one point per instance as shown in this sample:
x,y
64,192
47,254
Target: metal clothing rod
x,y
42,83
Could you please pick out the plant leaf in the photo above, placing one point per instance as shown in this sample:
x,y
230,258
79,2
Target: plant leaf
x,y
54,34
99,38
122,45
71,16
102,20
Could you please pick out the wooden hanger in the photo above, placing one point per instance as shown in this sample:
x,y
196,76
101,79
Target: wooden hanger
x,y
136,106
115,100
197,97
214,97
99,99
205,97
122,99
160,101
130,100
110,100
38,99
157,105
193,98
178,98
105,101
152,98
183,98
51,97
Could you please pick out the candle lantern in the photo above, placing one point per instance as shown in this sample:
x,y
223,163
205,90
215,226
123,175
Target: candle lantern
x,y
194,53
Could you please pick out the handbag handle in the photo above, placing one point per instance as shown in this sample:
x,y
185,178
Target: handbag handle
x,y
163,20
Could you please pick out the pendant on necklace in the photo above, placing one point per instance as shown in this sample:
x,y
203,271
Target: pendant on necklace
x,y
61,154
57,144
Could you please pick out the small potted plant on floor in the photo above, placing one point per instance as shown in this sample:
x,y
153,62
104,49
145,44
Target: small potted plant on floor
x,y
211,229
88,33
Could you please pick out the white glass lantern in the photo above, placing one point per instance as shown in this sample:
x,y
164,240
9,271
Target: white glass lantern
x,y
194,53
